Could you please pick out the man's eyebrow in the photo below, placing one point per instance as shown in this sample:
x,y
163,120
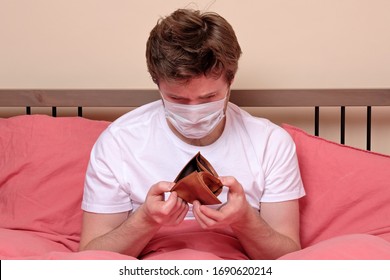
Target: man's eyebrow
x,y
175,96
208,94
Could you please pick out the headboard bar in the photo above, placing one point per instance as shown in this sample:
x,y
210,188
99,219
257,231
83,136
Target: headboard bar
x,y
244,98
368,132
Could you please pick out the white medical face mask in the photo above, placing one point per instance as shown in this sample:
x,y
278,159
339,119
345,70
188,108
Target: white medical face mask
x,y
195,121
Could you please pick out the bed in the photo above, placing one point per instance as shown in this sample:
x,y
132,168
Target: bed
x,y
43,158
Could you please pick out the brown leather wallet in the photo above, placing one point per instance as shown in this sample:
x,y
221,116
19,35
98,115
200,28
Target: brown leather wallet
x,y
198,181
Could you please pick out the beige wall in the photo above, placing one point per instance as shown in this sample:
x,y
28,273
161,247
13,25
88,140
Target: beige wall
x,y
286,44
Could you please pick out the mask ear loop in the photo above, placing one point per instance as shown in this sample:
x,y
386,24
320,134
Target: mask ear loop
x,y
162,97
227,98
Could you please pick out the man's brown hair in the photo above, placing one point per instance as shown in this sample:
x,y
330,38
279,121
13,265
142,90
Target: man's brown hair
x,y
188,44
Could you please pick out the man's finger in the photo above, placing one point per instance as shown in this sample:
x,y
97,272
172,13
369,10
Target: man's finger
x,y
161,187
231,183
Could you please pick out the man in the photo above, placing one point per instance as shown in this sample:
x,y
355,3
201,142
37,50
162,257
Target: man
x,y
193,58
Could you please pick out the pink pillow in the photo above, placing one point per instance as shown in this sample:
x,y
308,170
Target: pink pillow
x,y
42,167
20,243
345,247
347,189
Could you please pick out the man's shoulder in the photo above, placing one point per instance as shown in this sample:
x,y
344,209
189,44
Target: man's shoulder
x,y
258,127
139,115
249,120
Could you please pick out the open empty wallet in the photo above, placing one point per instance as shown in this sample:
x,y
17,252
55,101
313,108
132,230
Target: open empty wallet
x,y
198,181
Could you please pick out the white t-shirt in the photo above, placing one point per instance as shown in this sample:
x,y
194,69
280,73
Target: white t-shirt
x,y
139,149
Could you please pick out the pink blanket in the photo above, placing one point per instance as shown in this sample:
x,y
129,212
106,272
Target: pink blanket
x,y
191,242
186,241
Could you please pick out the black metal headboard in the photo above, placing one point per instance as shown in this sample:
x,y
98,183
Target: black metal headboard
x,y
315,98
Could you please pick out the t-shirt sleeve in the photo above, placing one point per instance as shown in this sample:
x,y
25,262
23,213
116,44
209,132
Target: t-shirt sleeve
x,y
281,170
103,187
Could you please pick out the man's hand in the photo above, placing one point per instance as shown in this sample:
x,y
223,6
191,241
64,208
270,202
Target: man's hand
x,y
161,212
233,212
267,236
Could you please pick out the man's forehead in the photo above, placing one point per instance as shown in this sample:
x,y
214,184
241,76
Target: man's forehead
x,y
200,86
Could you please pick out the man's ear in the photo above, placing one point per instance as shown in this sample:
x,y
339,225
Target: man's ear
x,y
232,81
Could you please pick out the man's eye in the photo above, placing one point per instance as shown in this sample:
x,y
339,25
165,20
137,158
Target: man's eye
x,y
175,98
210,96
